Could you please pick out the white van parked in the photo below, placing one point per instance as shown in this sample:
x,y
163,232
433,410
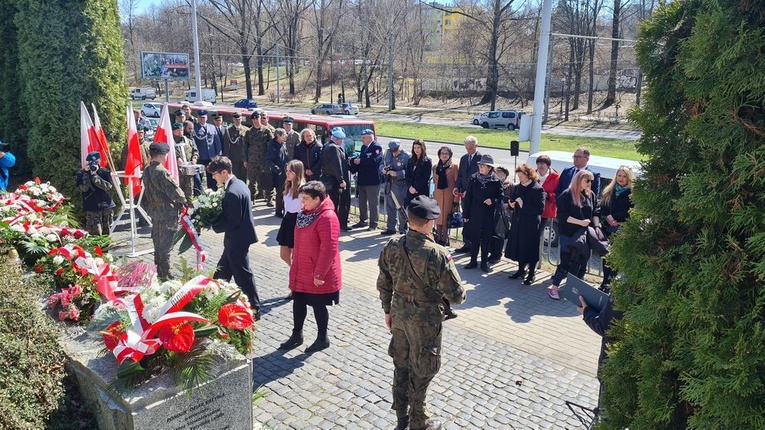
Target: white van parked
x,y
143,93
207,96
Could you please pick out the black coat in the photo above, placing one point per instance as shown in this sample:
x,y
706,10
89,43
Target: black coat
x,y
466,170
311,158
523,240
566,208
418,176
480,216
277,160
618,207
236,222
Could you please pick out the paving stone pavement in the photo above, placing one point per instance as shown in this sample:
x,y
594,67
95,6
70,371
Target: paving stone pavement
x,y
510,360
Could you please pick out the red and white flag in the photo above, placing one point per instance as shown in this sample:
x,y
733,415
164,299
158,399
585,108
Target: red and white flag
x,y
134,162
104,145
164,134
89,141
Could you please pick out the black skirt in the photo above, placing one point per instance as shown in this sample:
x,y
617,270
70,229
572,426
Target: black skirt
x,y
286,234
309,299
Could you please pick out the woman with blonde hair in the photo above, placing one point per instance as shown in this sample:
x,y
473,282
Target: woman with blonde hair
x,y
286,235
615,205
576,209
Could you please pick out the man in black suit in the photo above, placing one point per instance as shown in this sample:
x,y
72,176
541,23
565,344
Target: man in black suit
x,y
468,166
335,175
239,231
581,159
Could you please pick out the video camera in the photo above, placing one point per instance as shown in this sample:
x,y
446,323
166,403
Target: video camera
x,y
93,166
5,147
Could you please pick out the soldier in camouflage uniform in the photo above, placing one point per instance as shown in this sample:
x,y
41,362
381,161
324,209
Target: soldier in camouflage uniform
x,y
95,183
187,153
416,275
234,147
257,139
163,200
144,144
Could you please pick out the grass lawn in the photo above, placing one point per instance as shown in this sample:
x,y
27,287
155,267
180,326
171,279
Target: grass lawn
x,y
501,138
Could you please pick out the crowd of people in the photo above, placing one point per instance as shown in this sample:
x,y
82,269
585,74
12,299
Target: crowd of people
x,y
503,213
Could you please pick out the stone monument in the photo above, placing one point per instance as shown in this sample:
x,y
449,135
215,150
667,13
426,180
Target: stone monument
x,y
224,402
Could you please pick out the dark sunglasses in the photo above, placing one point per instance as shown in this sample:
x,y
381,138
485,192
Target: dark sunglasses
x,y
588,180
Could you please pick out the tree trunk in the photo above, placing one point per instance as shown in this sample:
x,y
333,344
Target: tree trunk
x,y
611,95
319,72
261,90
591,85
247,71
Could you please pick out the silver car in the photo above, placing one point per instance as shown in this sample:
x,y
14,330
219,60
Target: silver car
x,y
327,109
509,119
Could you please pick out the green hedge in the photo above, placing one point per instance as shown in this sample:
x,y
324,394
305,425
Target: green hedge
x,y
35,390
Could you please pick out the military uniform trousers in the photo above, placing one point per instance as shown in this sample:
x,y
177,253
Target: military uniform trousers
x,y
416,351
239,170
98,222
186,183
162,232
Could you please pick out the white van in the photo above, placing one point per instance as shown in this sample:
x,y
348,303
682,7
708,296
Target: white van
x,y
207,95
606,166
143,93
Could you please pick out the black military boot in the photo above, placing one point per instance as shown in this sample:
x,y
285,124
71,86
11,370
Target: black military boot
x,y
293,342
402,424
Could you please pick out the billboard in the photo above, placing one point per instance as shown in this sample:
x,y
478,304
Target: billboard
x,y
164,65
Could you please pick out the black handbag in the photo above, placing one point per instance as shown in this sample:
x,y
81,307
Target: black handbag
x,y
501,222
454,219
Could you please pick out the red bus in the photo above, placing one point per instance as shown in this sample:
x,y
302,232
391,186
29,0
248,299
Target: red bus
x,y
320,124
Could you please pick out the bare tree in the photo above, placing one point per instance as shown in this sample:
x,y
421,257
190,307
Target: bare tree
x,y
290,15
327,17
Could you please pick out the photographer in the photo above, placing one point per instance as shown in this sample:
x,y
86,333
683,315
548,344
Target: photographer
x,y
95,183
7,160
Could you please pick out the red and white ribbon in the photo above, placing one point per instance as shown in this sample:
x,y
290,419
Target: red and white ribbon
x,y
188,227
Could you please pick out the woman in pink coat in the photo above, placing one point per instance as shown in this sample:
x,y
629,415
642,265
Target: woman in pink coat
x,y
315,273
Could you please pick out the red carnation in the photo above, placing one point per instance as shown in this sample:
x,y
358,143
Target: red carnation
x,y
59,271
236,316
112,335
38,269
178,338
98,251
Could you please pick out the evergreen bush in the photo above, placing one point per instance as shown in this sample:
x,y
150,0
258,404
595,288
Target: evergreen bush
x,y
689,351
68,51
35,391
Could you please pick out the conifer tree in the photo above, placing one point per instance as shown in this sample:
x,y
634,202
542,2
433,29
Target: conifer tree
x,y
68,51
690,349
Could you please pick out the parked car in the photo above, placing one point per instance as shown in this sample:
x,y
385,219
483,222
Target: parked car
x,y
327,109
151,109
151,128
143,93
246,104
509,119
350,109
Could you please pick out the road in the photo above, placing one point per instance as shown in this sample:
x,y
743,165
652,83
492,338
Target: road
x,y
589,131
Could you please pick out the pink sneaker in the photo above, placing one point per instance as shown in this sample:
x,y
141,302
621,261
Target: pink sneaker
x,y
553,294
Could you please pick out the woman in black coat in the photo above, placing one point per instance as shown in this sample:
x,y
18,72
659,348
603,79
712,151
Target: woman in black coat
x,y
615,205
484,193
418,172
577,209
528,203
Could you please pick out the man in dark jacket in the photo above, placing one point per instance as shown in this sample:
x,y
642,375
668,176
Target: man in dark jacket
x,y
581,158
238,227
234,147
367,165
334,174
468,166
208,143
277,160
95,183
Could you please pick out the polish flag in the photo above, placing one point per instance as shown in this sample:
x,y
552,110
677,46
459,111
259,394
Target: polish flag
x,y
88,138
104,150
134,162
164,134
